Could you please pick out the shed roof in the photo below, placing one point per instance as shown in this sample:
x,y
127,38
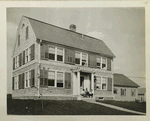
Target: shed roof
x,y
141,91
122,80
67,37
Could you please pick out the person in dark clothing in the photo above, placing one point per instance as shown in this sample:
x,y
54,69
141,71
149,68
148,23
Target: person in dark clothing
x,y
87,92
90,94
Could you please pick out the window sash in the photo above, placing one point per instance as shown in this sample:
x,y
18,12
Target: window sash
x,y
51,75
52,50
98,60
59,51
103,60
59,75
77,55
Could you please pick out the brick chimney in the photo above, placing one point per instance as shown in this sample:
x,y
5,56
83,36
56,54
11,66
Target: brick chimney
x,y
72,27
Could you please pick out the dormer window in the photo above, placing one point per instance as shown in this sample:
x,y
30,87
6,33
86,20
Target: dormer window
x,y
19,40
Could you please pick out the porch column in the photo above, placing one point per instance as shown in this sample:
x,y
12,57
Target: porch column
x,y
75,89
78,82
92,82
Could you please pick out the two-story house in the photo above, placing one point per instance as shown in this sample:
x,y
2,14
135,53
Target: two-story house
x,y
51,61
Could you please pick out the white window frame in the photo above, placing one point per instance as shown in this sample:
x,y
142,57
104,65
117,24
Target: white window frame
x,y
63,78
105,68
27,72
100,83
16,82
56,48
80,56
81,53
100,62
103,83
86,59
54,77
55,53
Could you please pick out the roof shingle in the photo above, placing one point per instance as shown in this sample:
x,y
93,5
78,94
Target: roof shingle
x,y
70,38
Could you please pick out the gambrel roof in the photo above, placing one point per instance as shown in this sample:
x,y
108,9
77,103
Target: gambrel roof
x,y
123,81
70,38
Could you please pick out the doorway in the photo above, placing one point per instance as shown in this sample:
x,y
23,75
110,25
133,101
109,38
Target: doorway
x,y
85,82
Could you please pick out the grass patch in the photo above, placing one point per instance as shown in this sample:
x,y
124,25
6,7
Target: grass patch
x,y
58,107
136,106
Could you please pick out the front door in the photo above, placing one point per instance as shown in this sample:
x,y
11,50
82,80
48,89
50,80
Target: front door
x,y
84,83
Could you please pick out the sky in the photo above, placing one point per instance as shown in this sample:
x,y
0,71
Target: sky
x,y
121,29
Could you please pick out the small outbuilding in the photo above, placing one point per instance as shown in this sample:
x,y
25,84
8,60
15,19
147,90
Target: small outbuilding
x,y
124,88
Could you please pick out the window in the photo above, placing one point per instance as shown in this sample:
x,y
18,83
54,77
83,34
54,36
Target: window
x,y
27,32
16,82
51,78
115,91
19,40
84,59
98,82
104,81
18,61
133,92
59,54
26,60
26,79
103,63
98,60
123,92
77,58
51,53
59,79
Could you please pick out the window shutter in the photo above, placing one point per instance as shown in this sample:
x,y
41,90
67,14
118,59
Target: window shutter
x,y
46,51
32,78
12,83
69,56
20,59
68,80
32,51
22,80
23,57
92,60
108,64
109,84
13,63
45,77
42,51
